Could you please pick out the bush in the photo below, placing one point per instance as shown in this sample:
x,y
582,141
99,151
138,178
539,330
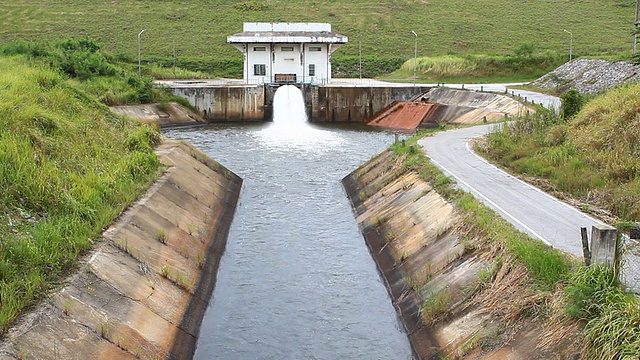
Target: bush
x,y
572,103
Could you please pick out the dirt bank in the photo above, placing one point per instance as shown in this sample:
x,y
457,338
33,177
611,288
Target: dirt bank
x,y
143,291
459,294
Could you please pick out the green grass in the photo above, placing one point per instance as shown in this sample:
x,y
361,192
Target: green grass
x,y
594,156
471,68
68,166
611,316
199,28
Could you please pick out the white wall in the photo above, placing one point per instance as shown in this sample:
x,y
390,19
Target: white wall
x,y
319,59
287,62
258,57
314,27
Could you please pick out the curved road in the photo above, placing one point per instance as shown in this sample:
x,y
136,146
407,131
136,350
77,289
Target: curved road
x,y
531,210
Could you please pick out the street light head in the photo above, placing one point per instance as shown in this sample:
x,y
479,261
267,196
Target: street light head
x,y
414,33
142,32
567,31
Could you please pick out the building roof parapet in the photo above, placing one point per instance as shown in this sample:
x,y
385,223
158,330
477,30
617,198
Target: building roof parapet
x,y
287,33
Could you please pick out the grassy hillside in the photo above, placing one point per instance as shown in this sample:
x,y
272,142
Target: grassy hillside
x,y
198,28
68,166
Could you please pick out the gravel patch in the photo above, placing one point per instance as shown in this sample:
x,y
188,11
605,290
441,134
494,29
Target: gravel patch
x,y
589,76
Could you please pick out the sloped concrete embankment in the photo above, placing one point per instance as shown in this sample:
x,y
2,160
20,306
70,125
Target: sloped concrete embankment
x,y
443,105
459,294
143,291
469,107
173,114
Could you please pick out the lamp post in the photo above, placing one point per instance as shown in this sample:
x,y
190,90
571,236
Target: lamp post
x,y
139,61
635,33
570,44
415,57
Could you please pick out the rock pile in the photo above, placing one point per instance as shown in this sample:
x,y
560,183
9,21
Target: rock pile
x,y
589,76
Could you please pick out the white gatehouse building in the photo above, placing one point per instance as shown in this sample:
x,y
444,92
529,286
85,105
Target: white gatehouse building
x,y
287,52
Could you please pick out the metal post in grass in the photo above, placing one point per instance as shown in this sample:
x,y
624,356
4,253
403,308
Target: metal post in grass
x,y
415,57
570,44
360,59
139,61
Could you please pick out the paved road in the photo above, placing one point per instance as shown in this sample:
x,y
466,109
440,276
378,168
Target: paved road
x,y
528,208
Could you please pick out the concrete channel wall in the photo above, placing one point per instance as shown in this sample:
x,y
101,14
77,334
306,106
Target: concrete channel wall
x,y
357,104
143,291
219,102
459,294
226,103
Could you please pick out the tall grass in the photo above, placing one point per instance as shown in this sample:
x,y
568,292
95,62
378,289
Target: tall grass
x,y
593,156
68,166
92,70
611,316
457,67
447,66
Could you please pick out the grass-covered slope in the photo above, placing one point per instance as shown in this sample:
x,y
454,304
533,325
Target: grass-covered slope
x,y
68,166
594,156
199,28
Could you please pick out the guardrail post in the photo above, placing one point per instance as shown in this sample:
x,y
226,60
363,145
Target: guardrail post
x,y
585,246
604,246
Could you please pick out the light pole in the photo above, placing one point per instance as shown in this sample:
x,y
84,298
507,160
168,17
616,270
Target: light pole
x,y
635,33
139,61
415,57
570,44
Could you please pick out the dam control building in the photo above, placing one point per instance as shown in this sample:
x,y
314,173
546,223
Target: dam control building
x,y
287,52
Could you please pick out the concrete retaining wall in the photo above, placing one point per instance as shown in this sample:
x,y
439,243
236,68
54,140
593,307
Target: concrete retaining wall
x,y
226,103
323,103
358,104
143,291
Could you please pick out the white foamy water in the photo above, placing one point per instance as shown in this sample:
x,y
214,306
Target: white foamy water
x,y
291,129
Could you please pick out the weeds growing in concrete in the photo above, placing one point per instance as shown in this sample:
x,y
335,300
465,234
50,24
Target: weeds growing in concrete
x,y
161,236
435,305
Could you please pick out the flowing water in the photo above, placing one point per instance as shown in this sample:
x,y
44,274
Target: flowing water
x,y
296,280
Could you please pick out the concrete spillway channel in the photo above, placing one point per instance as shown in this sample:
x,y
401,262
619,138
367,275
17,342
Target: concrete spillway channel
x,y
143,291
459,294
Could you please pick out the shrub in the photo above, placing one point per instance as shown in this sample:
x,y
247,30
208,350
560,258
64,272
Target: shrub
x,y
572,102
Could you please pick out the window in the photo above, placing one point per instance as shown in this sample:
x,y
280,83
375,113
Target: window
x,y
312,69
259,69
286,48
259,48
315,48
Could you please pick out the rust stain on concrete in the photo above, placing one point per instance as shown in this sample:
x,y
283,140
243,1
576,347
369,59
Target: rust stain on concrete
x,y
442,105
143,290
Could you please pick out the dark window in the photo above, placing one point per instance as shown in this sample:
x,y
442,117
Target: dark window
x,y
286,48
312,69
315,48
259,48
259,69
